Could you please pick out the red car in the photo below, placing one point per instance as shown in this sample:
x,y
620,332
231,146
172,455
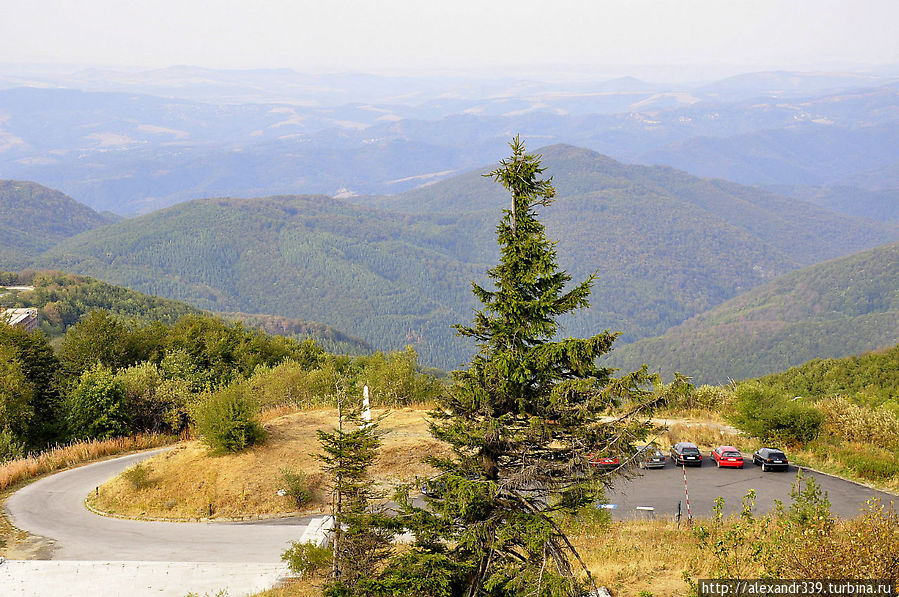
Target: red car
x,y
727,456
605,462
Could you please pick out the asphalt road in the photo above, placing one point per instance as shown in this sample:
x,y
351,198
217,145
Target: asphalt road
x,y
54,508
662,489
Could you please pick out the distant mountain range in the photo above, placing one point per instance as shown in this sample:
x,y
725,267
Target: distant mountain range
x,y
833,309
134,142
395,270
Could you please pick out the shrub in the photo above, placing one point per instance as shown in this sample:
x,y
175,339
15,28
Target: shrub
x,y
306,558
770,416
96,407
297,487
848,421
139,476
877,467
10,447
227,421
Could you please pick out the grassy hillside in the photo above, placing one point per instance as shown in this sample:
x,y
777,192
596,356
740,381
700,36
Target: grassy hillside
x,y
834,309
33,218
666,246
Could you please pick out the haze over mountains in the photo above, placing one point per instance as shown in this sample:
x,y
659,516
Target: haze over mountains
x,y
132,142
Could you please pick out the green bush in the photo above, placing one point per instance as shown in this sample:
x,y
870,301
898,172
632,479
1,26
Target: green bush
x,y
877,467
96,408
296,487
10,446
306,558
770,416
139,476
227,421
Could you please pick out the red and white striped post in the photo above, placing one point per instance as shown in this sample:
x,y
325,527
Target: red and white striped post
x,y
687,495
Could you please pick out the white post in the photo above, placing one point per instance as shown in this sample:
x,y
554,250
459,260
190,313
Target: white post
x,y
366,407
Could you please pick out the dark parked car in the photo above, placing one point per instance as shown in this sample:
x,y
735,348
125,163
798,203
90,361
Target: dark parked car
x,y
650,457
686,453
770,459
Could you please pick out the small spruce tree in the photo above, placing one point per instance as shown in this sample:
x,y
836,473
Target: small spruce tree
x,y
361,537
523,421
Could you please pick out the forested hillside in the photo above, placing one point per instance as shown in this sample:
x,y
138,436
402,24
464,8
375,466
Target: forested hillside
x,y
389,279
842,307
872,378
34,218
64,299
666,246
330,339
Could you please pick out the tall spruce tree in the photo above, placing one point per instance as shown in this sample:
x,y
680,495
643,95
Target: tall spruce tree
x,y
523,421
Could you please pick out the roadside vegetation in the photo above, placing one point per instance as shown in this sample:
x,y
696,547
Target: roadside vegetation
x,y
662,558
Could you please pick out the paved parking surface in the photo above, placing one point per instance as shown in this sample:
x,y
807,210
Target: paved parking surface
x,y
662,489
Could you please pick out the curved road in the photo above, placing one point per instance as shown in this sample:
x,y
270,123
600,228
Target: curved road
x,y
54,508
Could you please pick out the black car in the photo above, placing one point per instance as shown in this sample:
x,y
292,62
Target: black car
x,y
770,459
686,453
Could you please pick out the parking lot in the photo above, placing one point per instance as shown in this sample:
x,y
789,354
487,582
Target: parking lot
x,y
657,492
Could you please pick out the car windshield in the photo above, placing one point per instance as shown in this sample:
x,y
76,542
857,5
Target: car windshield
x,y
690,450
777,455
732,454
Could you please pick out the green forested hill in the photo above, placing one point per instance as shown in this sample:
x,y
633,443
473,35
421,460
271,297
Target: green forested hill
x,y
842,307
331,340
33,218
874,375
666,246
796,229
389,279
64,299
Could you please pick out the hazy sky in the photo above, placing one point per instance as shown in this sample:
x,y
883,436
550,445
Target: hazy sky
x,y
383,35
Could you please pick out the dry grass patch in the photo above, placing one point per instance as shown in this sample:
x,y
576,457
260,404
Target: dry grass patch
x,y
294,587
188,482
704,435
55,459
642,555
